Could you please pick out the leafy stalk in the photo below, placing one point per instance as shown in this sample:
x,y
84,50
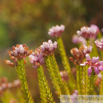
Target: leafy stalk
x,y
7,97
92,83
85,81
94,50
52,75
46,95
79,79
63,86
65,62
101,86
24,86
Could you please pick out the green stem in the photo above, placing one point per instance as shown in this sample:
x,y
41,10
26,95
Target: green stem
x,y
101,86
7,97
79,79
45,93
91,83
52,75
99,35
66,63
94,50
63,86
24,86
85,81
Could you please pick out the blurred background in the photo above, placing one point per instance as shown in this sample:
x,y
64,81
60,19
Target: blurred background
x,y
28,21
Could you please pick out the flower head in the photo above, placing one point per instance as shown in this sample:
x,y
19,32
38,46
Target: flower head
x,y
36,58
48,47
56,31
18,52
86,32
94,64
96,28
99,44
79,54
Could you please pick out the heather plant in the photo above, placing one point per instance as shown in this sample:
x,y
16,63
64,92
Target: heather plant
x,y
86,58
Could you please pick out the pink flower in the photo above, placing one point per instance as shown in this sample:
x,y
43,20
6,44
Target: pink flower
x,y
37,57
86,32
99,44
48,47
94,64
18,52
78,39
56,31
96,28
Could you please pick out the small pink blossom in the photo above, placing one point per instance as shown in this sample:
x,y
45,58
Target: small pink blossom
x,y
48,47
94,64
78,39
56,31
99,44
96,28
36,58
18,52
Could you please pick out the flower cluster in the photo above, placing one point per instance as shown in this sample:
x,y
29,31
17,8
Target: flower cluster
x,y
56,31
64,75
4,85
99,44
86,32
94,64
18,52
79,54
48,47
37,57
78,39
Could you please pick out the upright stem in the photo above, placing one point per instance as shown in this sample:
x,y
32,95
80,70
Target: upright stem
x,y
66,63
79,79
24,86
91,83
94,50
63,86
52,75
45,93
101,86
85,81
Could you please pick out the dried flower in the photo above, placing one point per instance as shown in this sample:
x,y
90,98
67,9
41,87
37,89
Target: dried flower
x,y
56,31
94,64
78,39
79,54
86,32
99,44
18,52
